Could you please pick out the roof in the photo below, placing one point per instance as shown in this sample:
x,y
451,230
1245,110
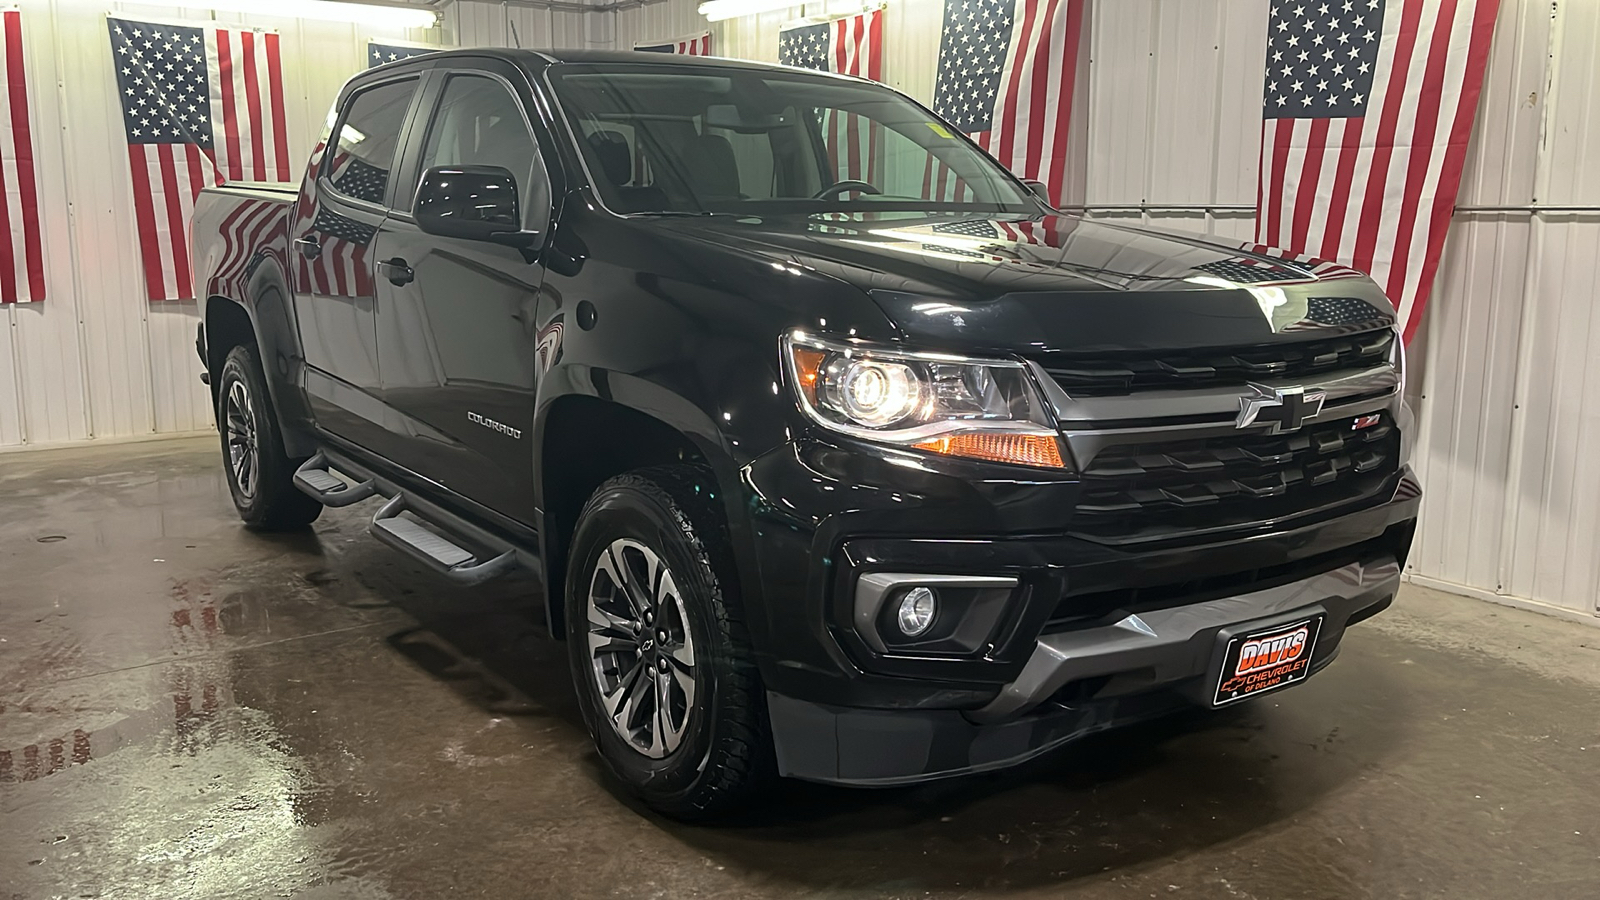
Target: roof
x,y
638,56
539,58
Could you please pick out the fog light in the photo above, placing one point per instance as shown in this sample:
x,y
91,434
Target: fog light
x,y
917,609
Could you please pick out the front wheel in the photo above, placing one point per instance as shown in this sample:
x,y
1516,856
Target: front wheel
x,y
659,654
260,475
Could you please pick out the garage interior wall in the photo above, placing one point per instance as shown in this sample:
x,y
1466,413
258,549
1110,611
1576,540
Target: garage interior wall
x,y
1506,359
95,359
476,23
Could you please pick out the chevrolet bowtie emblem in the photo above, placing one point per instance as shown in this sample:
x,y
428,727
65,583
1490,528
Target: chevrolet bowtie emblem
x,y
1284,408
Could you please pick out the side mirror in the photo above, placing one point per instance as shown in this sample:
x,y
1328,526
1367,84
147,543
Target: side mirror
x,y
1040,190
475,203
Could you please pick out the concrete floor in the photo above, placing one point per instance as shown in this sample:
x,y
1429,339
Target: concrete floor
x,y
188,709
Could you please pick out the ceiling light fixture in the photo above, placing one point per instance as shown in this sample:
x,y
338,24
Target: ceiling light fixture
x,y
400,16
718,10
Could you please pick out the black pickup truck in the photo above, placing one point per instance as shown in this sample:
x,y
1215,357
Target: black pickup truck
x,y
842,456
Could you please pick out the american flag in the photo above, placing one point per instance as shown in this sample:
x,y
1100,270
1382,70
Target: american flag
x,y
199,106
1006,71
378,54
849,45
21,254
1367,109
692,45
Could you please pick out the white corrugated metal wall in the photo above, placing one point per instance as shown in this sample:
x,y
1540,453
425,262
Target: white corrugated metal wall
x,y
1513,344
1510,350
481,23
94,359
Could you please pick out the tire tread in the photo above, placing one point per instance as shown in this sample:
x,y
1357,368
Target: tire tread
x,y
278,505
741,765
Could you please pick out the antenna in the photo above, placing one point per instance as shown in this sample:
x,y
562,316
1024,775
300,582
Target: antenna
x,y
515,41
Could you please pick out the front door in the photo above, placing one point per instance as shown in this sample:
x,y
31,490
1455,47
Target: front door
x,y
341,206
456,327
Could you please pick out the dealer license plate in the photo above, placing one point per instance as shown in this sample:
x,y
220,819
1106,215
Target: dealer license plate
x,y
1267,659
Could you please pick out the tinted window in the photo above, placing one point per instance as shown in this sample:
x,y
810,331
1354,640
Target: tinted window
x,y
367,140
686,138
480,124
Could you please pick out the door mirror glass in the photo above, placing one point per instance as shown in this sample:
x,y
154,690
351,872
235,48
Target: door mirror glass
x,y
476,203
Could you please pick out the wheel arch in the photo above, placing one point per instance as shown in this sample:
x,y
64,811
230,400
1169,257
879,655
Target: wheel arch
x,y
584,440
264,318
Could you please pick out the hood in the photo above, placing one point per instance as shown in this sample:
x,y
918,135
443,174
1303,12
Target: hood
x,y
1062,284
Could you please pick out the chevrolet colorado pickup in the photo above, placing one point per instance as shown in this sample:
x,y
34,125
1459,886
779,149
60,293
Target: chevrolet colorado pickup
x,y
841,455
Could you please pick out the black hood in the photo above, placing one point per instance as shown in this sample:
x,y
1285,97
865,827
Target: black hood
x,y
1063,284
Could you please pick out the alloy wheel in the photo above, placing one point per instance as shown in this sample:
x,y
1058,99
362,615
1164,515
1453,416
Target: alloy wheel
x,y
243,449
641,652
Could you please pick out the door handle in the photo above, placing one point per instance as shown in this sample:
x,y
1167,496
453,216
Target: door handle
x,y
309,246
396,270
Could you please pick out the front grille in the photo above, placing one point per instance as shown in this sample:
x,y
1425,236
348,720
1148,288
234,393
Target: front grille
x,y
1123,374
1146,491
1104,607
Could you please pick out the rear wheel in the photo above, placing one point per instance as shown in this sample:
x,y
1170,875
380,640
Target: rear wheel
x,y
659,654
260,475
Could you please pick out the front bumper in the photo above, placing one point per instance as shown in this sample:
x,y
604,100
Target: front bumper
x,y
1141,666
1096,636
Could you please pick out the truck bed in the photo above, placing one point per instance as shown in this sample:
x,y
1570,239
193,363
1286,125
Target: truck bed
x,y
233,226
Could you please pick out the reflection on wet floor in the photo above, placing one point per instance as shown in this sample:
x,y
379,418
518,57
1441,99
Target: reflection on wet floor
x,y
188,709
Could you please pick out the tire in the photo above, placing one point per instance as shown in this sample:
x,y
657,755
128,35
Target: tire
x,y
629,623
260,476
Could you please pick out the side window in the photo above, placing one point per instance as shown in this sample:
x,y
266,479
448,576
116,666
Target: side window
x,y
480,124
364,160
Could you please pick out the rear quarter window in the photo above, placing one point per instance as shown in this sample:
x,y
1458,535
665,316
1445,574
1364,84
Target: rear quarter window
x,y
361,162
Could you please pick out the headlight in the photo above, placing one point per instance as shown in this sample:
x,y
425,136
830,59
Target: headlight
x,y
978,408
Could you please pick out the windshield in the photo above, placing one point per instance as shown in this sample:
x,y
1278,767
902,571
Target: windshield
x,y
696,139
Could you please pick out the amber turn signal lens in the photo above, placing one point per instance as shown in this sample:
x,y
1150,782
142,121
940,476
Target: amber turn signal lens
x,y
808,365
1022,449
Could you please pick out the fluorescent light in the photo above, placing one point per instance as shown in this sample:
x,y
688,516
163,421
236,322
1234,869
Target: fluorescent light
x,y
718,10
327,10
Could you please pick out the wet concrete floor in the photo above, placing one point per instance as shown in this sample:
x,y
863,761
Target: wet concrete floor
x,y
190,710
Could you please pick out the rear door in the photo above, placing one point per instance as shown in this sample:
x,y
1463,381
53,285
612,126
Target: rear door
x,y
456,324
340,208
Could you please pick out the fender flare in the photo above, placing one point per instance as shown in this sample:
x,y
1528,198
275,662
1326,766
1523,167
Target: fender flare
x,y
267,305
632,396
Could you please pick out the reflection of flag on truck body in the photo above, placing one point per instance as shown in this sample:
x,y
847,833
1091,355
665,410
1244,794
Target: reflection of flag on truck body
x,y
1367,107
850,45
1261,266
341,269
692,45
251,224
199,106
378,54
1006,72
21,252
